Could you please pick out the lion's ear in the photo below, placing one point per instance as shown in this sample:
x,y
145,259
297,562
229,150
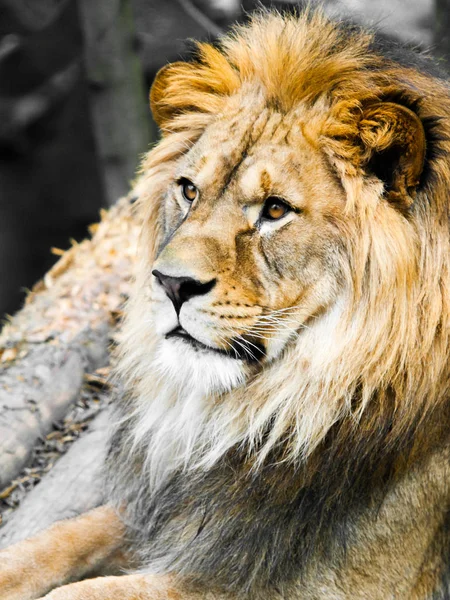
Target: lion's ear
x,y
394,140
196,87
161,103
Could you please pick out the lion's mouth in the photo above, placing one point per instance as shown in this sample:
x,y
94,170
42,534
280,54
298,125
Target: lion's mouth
x,y
181,333
241,349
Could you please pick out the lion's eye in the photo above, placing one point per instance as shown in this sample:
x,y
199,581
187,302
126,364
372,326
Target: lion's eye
x,y
274,208
188,189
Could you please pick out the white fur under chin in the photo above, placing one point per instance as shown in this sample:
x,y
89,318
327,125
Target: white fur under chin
x,y
179,416
196,371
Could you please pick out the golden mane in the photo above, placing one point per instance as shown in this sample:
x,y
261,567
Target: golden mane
x,y
385,386
293,58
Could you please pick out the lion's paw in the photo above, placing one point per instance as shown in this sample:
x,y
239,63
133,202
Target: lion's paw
x,y
126,587
16,581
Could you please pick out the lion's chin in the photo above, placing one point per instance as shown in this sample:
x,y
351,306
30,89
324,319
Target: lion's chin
x,y
198,370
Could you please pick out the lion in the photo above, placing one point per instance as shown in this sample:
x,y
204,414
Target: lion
x,y
285,354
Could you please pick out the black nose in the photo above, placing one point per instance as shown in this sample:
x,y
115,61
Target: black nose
x,y
180,289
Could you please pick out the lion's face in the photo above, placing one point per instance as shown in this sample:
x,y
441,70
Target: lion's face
x,y
252,249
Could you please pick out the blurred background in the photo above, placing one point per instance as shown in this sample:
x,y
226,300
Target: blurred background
x,y
74,117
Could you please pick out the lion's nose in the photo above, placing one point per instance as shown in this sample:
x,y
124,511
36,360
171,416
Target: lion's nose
x,y
180,289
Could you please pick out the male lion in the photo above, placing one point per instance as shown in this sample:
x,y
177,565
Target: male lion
x,y
286,351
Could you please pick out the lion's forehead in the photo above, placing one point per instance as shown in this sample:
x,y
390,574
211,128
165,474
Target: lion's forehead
x,y
254,155
250,178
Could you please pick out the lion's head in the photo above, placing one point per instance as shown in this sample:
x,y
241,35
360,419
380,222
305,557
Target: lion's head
x,y
294,270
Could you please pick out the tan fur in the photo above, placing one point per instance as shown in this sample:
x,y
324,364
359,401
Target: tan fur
x,y
67,551
349,295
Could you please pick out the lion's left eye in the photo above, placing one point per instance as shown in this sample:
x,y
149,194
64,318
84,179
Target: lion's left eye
x,y
274,209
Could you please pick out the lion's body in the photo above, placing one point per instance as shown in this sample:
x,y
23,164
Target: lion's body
x,y
285,431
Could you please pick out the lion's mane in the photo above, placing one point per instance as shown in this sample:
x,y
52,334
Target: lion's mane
x,y
364,408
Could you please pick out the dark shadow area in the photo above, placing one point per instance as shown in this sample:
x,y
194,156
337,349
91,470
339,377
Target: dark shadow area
x,y
50,182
